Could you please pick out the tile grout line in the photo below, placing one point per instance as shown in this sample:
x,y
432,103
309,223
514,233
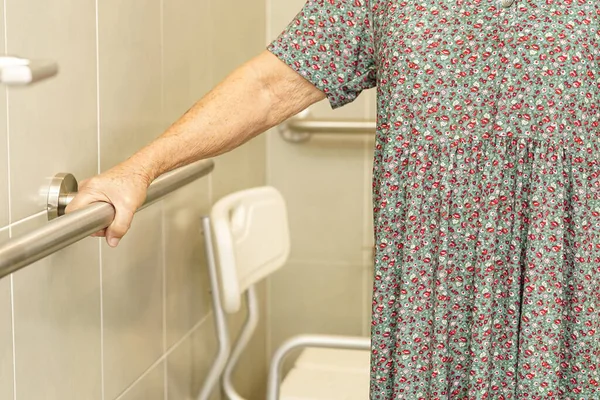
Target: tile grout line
x,y
164,298
24,220
268,178
12,282
12,318
7,98
164,302
209,11
98,142
164,293
166,389
98,167
101,278
165,355
162,211
27,219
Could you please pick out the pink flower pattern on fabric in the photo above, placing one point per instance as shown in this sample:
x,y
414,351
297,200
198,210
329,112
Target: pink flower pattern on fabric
x,y
486,188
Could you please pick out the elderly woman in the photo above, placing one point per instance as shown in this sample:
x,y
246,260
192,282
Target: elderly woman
x,y
486,181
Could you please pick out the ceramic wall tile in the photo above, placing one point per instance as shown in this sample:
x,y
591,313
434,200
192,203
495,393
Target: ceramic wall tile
x,y
57,322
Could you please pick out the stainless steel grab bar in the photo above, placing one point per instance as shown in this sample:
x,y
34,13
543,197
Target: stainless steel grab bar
x,y
300,128
68,229
21,71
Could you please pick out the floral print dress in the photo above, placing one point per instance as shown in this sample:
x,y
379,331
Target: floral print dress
x,y
486,187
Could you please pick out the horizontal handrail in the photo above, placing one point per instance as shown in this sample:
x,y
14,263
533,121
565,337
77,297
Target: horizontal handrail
x,y
73,227
301,127
326,126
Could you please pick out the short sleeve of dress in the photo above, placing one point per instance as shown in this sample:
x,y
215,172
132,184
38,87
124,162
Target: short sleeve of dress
x,y
330,43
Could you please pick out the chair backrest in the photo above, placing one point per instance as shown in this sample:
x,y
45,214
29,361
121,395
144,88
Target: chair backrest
x,y
251,239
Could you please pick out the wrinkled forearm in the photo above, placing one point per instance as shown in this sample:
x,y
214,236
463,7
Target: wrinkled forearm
x,y
255,97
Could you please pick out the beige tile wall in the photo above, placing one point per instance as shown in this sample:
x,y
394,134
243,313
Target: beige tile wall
x,y
150,387
327,185
57,322
133,329
190,361
133,323
53,127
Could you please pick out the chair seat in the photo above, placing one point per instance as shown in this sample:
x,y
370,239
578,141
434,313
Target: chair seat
x,y
324,384
328,374
334,359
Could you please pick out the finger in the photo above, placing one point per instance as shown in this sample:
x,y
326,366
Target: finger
x,y
74,204
101,233
119,226
81,200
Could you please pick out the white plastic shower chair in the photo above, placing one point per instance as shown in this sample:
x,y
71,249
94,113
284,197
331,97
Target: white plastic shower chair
x,y
251,239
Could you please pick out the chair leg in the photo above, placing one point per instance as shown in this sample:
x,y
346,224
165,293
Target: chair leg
x,y
221,328
300,341
241,343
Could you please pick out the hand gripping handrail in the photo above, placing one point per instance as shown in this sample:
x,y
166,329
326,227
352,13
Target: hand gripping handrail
x,y
73,227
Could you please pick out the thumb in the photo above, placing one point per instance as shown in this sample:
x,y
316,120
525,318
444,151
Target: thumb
x,y
119,226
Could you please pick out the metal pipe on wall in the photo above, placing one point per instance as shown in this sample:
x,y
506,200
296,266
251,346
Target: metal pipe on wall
x,y
73,227
300,128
